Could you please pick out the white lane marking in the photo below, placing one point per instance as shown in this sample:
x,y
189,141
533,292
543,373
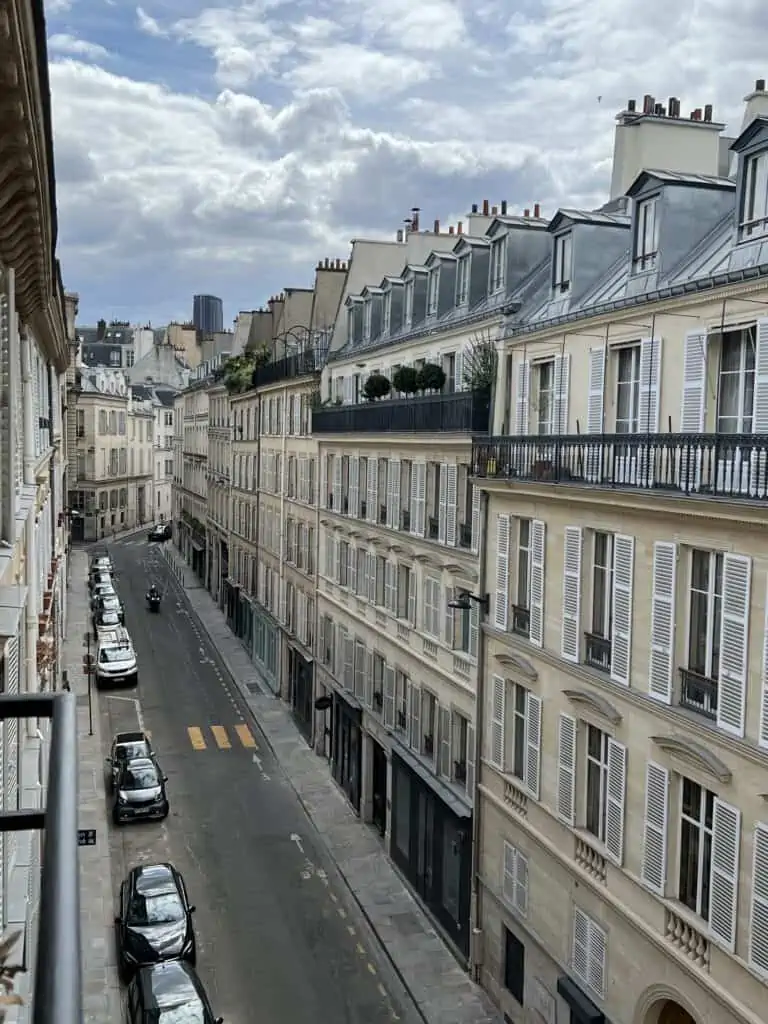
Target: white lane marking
x,y
257,761
136,704
297,839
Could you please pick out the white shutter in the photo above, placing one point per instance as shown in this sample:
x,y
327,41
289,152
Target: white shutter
x,y
580,945
451,500
760,412
734,640
349,662
621,629
323,499
389,586
371,577
533,744
474,629
372,499
763,736
368,680
561,384
389,697
522,396
650,373
394,474
615,798
444,757
654,865
412,596
694,399
421,518
758,916
595,406
570,641
442,512
414,497
449,594
724,876
390,501
538,580
476,496
498,721
337,484
352,569
354,485
566,768
501,602
415,737
664,582
470,783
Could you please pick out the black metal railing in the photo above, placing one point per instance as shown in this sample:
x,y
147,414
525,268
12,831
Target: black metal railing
x,y
405,519
461,412
297,365
521,620
465,535
57,997
598,652
698,693
433,527
710,465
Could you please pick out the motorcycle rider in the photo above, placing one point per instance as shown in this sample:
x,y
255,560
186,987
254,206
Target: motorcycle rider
x,y
153,594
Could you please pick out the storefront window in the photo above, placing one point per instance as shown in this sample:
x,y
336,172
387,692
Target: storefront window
x,y
403,811
451,868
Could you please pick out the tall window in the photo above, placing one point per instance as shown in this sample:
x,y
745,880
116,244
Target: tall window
x,y
433,292
462,280
736,392
498,264
545,380
409,285
387,313
367,320
628,390
597,782
521,610
696,817
519,721
563,260
754,211
706,612
599,640
646,234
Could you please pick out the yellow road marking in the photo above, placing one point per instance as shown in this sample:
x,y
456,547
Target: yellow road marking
x,y
246,737
220,735
196,737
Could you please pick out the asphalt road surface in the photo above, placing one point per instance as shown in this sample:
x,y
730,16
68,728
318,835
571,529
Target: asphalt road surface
x,y
280,940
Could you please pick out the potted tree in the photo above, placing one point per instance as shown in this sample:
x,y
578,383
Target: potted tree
x,y
405,380
431,377
377,386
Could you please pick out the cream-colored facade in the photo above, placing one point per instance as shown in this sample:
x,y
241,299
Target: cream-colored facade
x,y
218,505
623,830
111,488
191,438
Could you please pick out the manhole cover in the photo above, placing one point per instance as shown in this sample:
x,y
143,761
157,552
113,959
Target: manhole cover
x,y
82,700
253,687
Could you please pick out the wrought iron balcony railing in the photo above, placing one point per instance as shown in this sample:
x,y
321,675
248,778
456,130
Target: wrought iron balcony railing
x,y
463,412
731,466
57,997
300,364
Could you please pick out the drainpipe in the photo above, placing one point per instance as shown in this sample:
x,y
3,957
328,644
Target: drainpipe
x,y
476,951
31,574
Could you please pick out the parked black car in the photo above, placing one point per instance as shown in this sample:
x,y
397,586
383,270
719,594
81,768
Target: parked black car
x,y
160,532
169,992
140,792
155,919
127,746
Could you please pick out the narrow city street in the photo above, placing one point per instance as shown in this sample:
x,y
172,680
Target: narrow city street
x,y
278,937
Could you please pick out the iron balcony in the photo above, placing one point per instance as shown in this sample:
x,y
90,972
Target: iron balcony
x,y
729,466
57,997
300,364
459,413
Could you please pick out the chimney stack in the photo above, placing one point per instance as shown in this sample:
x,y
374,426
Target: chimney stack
x,y
436,227
450,230
708,113
631,106
327,262
474,207
658,110
526,213
399,234
696,114
485,207
674,106
503,207
536,210
494,211
760,85
415,211
648,103
460,228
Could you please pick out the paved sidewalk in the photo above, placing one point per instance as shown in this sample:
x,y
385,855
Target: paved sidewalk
x,y
440,988
101,989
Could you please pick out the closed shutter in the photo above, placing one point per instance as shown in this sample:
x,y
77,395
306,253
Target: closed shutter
x,y
763,735
476,497
561,384
758,916
538,579
470,783
533,744
615,800
595,407
373,491
580,945
521,397
452,497
654,863
650,374
724,876
570,641
414,497
734,639
458,370
421,517
352,569
412,596
693,404
621,630
498,721
566,768
354,485
394,473
389,697
415,736
474,629
337,484
760,418
501,602
442,512
444,760
664,583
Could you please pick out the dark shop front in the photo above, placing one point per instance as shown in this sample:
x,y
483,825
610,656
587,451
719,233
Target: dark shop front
x,y
432,844
347,748
301,681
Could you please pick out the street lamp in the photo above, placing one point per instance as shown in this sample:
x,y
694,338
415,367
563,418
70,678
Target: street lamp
x,y
88,667
463,602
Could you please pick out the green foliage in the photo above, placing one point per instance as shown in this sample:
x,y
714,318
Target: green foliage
x,y
377,386
406,380
431,377
238,371
480,364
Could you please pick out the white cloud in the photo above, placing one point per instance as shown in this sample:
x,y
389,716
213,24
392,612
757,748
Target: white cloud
x,y
316,122
72,46
58,6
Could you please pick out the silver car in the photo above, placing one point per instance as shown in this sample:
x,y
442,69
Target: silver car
x,y
116,661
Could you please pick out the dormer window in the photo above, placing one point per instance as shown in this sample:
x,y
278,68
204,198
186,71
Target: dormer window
x,y
498,264
646,234
387,314
754,206
351,324
433,291
462,280
561,279
409,284
367,320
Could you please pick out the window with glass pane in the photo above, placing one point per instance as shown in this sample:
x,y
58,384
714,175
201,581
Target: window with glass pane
x,y
628,390
602,585
545,376
408,302
524,565
387,313
736,386
696,816
754,216
519,730
706,611
563,259
433,290
597,782
462,280
646,234
498,262
367,319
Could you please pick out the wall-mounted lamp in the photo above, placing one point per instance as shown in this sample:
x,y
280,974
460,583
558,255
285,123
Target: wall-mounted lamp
x,y
464,603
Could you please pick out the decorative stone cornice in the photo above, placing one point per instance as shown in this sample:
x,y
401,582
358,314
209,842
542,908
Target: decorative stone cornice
x,y
595,703
520,664
694,754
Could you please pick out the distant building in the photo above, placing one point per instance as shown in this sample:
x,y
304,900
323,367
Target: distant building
x,y
208,314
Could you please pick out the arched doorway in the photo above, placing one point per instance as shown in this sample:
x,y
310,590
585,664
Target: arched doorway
x,y
673,1013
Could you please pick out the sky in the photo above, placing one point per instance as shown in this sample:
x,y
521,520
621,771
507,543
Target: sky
x,y
227,147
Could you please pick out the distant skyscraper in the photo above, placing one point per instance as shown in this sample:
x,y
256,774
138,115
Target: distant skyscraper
x,y
208,314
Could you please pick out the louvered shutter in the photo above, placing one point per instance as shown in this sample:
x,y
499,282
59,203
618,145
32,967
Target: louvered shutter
x,y
532,744
352,569
664,582
476,497
615,800
373,491
501,601
595,405
763,734
566,768
522,397
394,511
758,918
444,760
354,485
451,499
415,734
442,513
570,641
414,497
734,641
621,629
538,580
498,721
561,385
470,783
654,863
389,697
724,877
412,597
421,518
